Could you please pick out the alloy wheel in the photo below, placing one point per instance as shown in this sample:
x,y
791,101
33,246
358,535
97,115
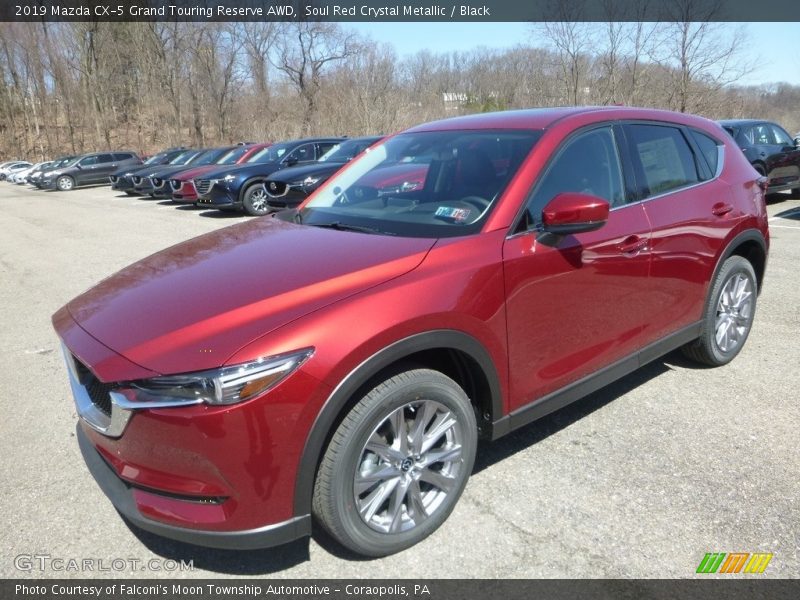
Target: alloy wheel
x,y
734,312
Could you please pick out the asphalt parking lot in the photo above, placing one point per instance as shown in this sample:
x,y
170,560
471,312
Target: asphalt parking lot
x,y
639,480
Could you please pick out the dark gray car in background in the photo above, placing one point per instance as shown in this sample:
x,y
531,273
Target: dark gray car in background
x,y
88,169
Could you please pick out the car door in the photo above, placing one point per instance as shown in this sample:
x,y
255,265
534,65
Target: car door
x,y
576,303
690,212
104,167
85,169
784,164
323,147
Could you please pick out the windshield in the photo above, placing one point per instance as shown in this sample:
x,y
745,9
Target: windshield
x,y
209,157
347,151
233,155
184,157
156,158
69,161
269,154
427,184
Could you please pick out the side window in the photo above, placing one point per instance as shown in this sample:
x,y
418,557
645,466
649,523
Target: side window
x,y
302,154
589,164
781,137
123,156
709,148
761,135
89,161
105,158
662,158
323,147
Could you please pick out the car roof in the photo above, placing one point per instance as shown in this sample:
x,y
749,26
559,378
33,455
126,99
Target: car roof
x,y
542,118
735,122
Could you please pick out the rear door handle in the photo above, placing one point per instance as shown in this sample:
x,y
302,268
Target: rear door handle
x,y
720,208
632,245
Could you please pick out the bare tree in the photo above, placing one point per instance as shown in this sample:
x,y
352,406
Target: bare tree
x,y
304,51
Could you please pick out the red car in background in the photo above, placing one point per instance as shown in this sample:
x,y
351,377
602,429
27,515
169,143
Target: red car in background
x,y
182,184
348,355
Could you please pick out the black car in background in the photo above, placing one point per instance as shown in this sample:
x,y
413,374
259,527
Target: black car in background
x,y
142,178
121,179
240,187
287,188
37,177
88,169
771,151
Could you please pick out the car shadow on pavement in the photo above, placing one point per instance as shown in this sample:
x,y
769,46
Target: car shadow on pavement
x,y
490,453
222,214
792,213
237,562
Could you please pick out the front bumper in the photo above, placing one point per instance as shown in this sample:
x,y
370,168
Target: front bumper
x,y
183,191
130,502
220,196
122,184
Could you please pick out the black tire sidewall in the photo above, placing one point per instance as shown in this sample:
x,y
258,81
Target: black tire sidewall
x,y
359,536
64,178
732,266
247,201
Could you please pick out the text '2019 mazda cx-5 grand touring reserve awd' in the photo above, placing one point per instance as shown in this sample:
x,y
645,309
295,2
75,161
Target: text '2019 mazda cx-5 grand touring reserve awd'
x,y
361,344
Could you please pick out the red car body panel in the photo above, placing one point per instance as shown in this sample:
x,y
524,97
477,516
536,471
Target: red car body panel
x,y
267,287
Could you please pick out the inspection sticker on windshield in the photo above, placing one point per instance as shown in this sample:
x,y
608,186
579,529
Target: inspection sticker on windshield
x,y
459,215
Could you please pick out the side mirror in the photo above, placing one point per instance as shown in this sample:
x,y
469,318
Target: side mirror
x,y
572,212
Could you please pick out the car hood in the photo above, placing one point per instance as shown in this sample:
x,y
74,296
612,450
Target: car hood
x,y
300,173
195,172
246,170
164,171
137,170
192,306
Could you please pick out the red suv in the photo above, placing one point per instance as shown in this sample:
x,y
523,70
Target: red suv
x,y
348,355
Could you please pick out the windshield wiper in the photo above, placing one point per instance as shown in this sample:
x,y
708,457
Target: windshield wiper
x,y
347,227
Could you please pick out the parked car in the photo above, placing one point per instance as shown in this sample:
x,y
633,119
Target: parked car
x,y
289,187
121,180
182,184
771,151
13,167
37,176
21,176
239,188
88,169
346,356
142,183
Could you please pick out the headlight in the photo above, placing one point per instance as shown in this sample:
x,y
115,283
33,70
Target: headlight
x,y
53,173
309,181
228,178
226,385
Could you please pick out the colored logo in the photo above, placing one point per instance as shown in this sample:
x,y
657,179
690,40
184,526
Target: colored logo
x,y
734,562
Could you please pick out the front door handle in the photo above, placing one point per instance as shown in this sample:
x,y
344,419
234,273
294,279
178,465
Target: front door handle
x,y
720,208
632,245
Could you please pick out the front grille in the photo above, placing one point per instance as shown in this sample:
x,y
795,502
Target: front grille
x,y
202,186
113,178
137,180
97,390
157,182
175,184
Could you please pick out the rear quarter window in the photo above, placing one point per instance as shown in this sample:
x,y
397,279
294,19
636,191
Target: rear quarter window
x,y
709,148
663,159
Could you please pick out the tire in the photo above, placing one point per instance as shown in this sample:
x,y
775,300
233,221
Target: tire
x,y
254,200
400,498
65,183
760,169
728,315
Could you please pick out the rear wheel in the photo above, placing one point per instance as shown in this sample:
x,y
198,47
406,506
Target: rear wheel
x,y
728,316
65,183
254,200
397,464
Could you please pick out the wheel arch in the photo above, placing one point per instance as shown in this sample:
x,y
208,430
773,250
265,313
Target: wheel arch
x,y
750,245
249,182
456,354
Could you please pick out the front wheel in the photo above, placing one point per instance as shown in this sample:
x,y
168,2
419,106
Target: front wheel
x,y
254,200
397,464
728,316
65,183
